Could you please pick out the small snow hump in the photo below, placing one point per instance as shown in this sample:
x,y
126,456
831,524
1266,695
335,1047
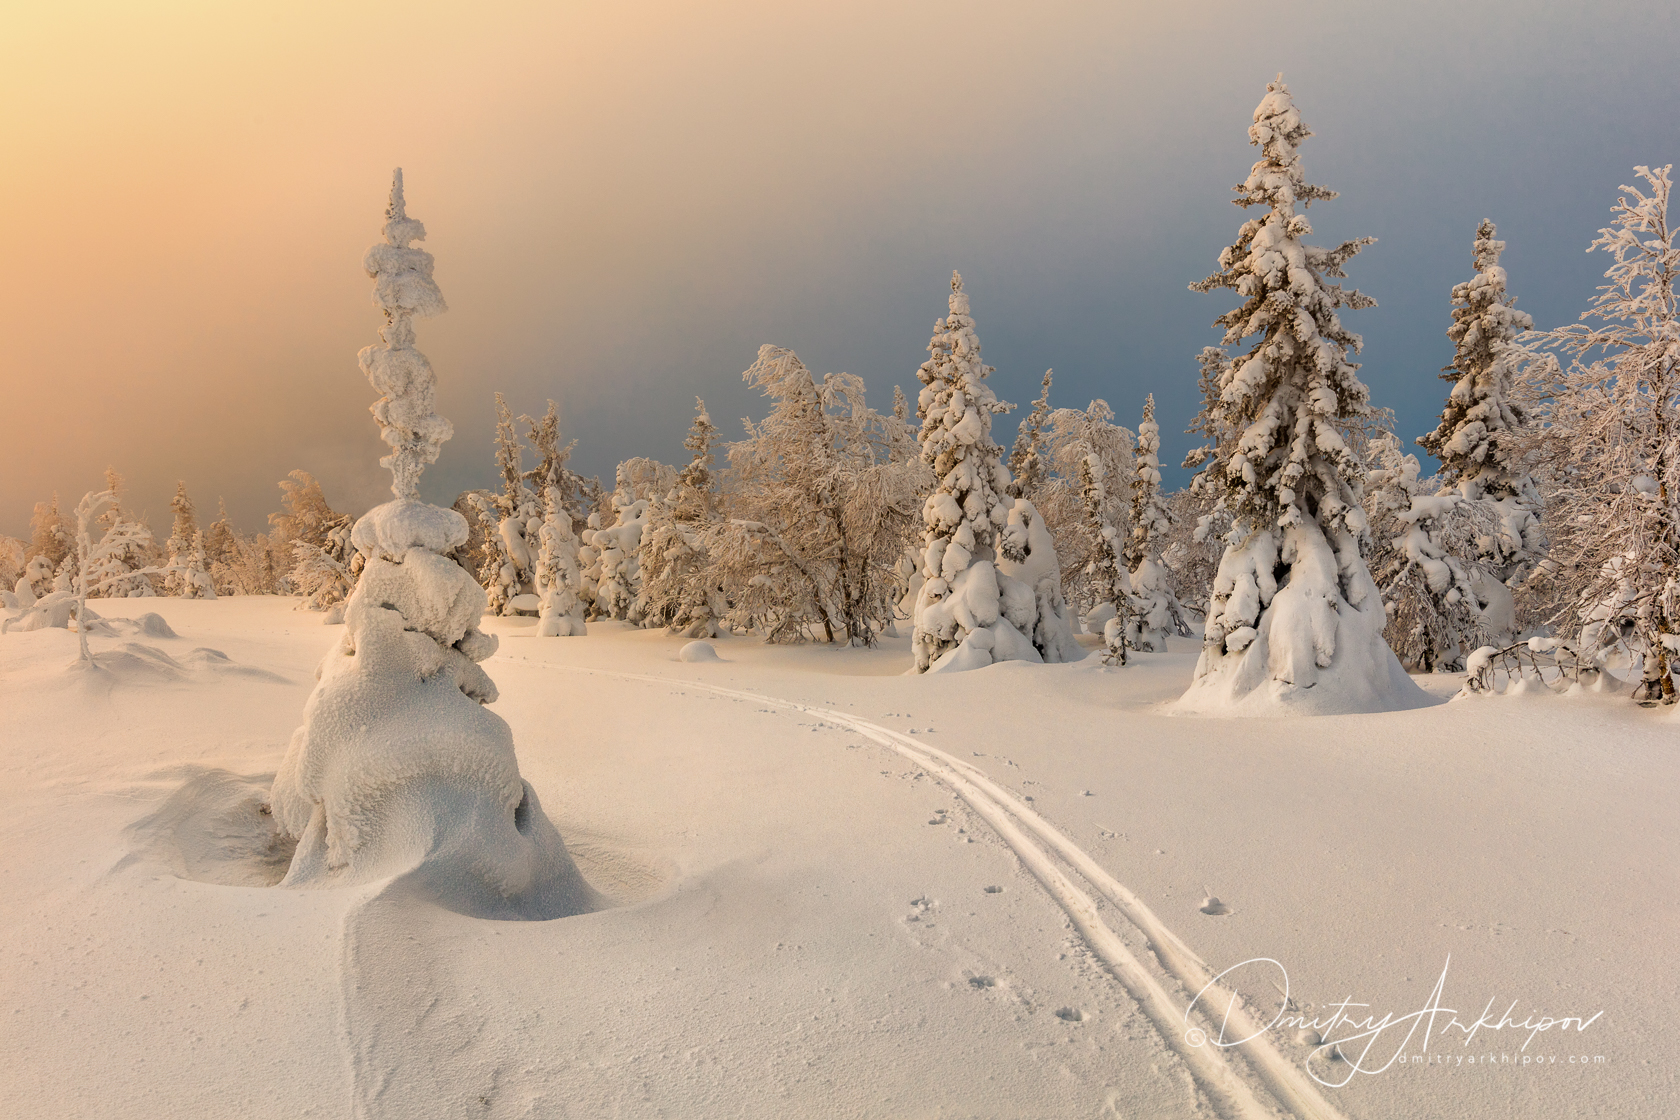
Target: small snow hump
x,y
698,651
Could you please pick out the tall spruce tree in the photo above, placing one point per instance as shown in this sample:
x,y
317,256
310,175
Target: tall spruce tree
x,y
1295,620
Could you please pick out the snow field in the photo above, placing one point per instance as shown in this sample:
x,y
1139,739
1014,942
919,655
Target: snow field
x,y
802,926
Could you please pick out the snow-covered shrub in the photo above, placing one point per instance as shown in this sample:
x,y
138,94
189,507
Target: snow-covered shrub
x,y
399,769
1612,444
1295,621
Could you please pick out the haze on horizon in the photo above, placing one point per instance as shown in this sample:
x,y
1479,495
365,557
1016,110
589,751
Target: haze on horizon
x,y
626,200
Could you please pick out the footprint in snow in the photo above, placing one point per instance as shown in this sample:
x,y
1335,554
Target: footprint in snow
x,y
1211,905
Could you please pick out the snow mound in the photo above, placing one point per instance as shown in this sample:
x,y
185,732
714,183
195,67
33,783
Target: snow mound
x,y
698,651
215,828
334,615
148,625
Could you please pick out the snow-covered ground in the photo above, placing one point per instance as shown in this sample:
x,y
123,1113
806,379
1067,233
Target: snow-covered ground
x,y
839,891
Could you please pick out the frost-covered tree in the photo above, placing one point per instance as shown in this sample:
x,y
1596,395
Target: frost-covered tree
x,y
1070,436
1479,440
1157,609
821,509
49,534
1295,620
189,574
680,589
1613,444
399,769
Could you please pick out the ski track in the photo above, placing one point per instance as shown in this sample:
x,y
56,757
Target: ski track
x,y
1228,1083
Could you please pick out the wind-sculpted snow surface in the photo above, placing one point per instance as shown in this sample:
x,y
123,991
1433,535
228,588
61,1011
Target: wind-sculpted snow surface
x,y
398,769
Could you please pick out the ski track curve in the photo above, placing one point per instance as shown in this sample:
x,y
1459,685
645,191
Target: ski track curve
x,y
1229,1084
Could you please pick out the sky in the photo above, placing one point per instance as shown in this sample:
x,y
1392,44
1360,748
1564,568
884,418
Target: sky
x,y
627,199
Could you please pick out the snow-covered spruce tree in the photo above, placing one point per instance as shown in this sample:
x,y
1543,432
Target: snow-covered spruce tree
x,y
126,547
1478,441
680,589
1295,622
611,577
1158,612
968,613
1108,585
560,609
1026,459
821,509
514,520
189,574
1422,548
556,577
1072,435
1612,445
399,769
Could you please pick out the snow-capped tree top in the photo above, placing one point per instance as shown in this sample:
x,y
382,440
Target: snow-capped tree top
x,y
402,274
1478,422
403,288
1284,405
956,407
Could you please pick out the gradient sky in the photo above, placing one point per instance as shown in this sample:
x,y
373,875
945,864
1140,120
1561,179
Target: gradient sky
x,y
625,200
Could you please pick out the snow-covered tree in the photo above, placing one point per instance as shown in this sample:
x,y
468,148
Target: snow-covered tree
x,y
513,522
968,614
399,769
611,577
1479,439
125,549
189,575
1423,559
1613,443
1157,609
560,610
1027,458
680,589
49,534
1070,436
821,510
1108,585
1295,620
